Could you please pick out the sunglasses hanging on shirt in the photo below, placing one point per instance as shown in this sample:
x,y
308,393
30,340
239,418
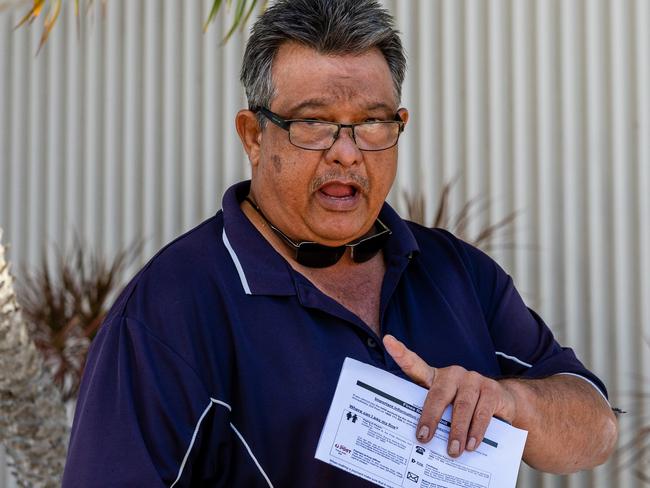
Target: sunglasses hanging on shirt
x,y
315,255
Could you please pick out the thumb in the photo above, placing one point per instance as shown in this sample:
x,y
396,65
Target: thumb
x,y
413,365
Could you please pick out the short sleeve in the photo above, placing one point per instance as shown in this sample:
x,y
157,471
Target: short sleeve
x,y
524,344
143,416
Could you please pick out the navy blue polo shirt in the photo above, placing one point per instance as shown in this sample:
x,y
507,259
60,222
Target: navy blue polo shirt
x,y
217,364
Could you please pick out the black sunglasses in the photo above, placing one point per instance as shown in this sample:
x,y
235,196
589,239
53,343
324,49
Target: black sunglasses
x,y
315,255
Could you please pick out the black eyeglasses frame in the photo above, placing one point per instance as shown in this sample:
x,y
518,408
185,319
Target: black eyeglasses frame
x,y
285,124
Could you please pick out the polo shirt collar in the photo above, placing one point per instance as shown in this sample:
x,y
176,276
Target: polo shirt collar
x,y
262,270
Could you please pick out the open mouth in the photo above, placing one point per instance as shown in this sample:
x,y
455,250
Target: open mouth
x,y
339,190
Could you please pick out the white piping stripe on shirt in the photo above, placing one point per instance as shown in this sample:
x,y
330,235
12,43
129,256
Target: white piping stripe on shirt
x,y
235,259
517,360
196,431
268,481
513,358
588,381
241,438
223,404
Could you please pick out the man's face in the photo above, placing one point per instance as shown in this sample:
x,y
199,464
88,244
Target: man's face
x,y
331,196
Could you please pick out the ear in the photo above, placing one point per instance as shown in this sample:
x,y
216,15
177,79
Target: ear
x,y
250,134
404,115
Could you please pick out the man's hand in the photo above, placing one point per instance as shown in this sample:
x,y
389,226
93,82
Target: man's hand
x,y
570,425
475,398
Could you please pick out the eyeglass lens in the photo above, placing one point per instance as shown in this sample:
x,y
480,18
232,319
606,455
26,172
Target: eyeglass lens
x,y
321,135
315,255
365,250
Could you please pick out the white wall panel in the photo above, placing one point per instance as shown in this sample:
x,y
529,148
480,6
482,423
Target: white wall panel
x,y
123,131
642,66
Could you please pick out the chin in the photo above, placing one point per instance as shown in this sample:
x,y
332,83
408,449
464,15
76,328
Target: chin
x,y
341,233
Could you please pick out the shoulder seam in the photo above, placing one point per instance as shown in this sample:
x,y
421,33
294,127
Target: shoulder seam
x,y
167,346
136,279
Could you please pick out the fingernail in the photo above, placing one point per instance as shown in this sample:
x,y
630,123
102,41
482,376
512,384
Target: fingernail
x,y
454,448
471,444
423,433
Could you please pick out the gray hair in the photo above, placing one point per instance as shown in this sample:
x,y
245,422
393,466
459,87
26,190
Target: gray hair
x,y
327,26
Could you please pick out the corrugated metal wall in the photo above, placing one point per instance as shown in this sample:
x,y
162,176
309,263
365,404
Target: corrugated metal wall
x,y
541,106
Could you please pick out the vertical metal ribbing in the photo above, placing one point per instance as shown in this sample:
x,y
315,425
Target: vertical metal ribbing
x,y
549,199
623,213
74,127
453,101
152,152
20,72
190,162
407,179
6,87
232,160
642,63
113,147
36,128
212,116
526,253
597,115
499,158
573,167
133,187
54,138
476,126
170,201
427,110
544,106
92,130
244,164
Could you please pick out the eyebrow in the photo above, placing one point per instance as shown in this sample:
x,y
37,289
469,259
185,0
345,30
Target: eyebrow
x,y
310,103
380,105
323,102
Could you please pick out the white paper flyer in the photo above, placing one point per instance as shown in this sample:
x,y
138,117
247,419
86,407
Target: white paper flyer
x,y
370,432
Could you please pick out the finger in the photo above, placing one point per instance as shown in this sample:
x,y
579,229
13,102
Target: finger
x,y
440,395
482,415
463,411
413,365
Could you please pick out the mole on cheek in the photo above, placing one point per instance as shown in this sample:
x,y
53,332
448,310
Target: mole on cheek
x,y
277,162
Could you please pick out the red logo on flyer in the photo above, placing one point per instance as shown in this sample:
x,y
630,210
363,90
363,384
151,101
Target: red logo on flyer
x,y
342,449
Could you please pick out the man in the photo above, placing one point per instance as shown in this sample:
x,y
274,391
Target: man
x,y
217,364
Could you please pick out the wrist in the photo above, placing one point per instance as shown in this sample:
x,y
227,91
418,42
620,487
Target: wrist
x,y
518,402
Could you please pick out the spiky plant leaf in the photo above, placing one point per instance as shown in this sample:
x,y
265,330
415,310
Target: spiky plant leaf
x,y
213,13
65,302
33,13
458,224
238,20
53,15
243,11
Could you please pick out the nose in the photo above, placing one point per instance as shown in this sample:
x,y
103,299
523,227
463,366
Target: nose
x,y
344,151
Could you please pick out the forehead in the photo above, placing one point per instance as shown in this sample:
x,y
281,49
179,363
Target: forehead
x,y
305,79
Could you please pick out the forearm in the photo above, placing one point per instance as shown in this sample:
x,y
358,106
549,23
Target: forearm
x,y
570,426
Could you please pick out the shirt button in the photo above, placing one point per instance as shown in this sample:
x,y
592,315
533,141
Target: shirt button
x,y
371,342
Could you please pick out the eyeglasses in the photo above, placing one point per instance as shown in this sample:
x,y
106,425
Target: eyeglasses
x,y
316,135
315,255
